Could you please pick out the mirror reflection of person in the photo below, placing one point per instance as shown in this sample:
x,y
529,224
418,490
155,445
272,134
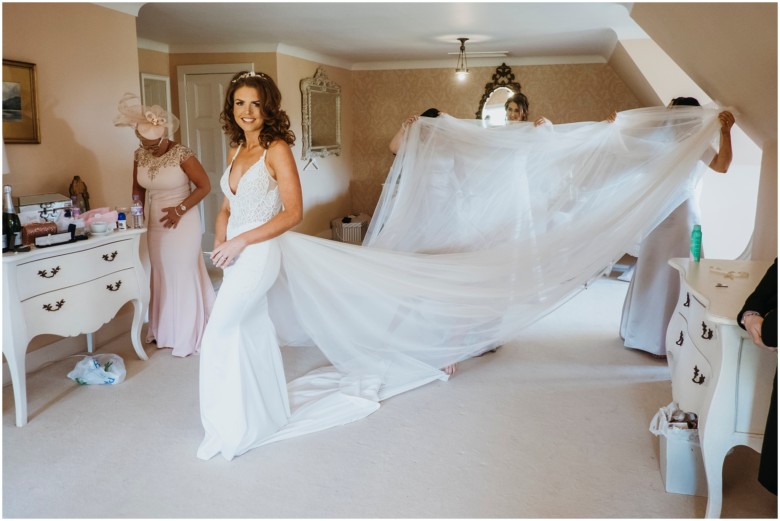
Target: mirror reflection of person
x,y
517,110
654,287
758,317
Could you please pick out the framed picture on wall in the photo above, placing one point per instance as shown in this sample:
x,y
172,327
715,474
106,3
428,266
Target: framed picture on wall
x,y
156,90
20,103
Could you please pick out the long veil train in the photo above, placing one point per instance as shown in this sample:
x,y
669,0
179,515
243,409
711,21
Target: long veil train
x,y
478,233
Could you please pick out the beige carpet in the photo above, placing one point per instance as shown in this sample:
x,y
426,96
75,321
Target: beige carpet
x,y
553,425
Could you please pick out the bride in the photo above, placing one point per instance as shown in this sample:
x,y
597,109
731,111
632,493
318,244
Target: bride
x,y
541,214
243,393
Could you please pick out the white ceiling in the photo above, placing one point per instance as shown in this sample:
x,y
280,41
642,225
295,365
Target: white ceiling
x,y
363,35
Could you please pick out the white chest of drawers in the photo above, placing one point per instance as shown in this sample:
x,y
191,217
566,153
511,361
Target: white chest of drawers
x,y
68,290
717,371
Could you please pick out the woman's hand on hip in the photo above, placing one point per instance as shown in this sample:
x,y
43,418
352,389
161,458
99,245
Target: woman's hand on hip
x,y
170,218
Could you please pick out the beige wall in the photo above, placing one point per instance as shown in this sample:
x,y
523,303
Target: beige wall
x,y
86,59
383,99
154,62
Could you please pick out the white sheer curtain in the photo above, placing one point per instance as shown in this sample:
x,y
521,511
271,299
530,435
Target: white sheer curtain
x,y
480,232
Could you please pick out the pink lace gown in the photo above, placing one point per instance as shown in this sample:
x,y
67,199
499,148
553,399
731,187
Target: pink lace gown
x,y
181,292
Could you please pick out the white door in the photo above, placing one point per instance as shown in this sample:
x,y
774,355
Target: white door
x,y
201,97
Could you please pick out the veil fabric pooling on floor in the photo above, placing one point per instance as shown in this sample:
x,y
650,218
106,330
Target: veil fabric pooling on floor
x,y
479,232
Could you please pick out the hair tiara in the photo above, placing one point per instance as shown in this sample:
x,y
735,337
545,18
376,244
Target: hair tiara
x,y
250,74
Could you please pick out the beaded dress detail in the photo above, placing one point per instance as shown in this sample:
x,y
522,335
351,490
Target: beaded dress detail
x,y
172,158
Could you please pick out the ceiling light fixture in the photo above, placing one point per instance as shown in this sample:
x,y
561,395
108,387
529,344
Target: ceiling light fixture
x,y
462,69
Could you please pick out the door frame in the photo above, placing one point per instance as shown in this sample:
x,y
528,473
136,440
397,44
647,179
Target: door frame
x,y
181,79
182,71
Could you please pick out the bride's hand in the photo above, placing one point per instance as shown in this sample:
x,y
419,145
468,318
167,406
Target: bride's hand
x,y
226,253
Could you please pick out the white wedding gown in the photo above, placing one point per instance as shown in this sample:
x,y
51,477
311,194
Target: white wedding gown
x,y
534,215
244,399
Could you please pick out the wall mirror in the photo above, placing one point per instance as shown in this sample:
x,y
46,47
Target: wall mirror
x,y
321,99
497,91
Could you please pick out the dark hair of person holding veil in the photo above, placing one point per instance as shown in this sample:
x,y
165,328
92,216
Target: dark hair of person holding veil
x,y
243,390
163,175
759,318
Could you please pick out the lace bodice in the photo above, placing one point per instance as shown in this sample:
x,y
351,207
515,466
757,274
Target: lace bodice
x,y
256,200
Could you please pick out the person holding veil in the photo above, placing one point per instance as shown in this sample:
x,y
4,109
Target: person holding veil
x,y
516,107
164,173
654,287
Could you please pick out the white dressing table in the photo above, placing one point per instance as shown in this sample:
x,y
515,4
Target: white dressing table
x,y
717,371
68,290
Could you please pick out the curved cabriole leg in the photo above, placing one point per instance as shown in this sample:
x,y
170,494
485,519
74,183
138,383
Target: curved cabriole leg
x,y
135,330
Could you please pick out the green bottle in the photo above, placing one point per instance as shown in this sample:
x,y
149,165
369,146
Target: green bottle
x,y
696,243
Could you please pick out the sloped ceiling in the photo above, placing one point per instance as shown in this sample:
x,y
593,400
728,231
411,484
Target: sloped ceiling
x,y
728,49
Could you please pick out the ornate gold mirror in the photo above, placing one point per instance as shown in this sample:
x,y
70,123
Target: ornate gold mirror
x,y
502,87
321,100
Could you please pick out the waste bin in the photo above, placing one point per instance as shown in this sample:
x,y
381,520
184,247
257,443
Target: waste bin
x,y
682,467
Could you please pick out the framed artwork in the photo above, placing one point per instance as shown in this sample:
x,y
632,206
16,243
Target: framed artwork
x,y
20,103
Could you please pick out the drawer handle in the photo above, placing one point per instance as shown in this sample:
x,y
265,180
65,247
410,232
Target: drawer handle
x,y
50,307
679,341
114,287
687,303
706,332
696,373
109,257
45,273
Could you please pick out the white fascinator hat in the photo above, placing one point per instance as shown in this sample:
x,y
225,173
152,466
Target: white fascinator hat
x,y
150,122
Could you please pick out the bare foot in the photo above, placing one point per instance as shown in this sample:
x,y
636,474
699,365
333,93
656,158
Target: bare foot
x,y
450,369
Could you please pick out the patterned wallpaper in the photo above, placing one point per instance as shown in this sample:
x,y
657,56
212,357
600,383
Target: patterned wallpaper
x,y
384,99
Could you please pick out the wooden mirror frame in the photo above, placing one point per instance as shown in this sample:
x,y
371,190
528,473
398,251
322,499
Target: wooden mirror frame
x,y
503,77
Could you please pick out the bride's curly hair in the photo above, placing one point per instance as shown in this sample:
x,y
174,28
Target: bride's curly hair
x,y
276,124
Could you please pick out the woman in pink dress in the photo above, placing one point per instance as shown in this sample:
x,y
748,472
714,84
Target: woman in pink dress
x,y
163,173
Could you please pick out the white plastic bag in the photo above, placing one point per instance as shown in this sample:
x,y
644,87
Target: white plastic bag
x,y
99,369
664,424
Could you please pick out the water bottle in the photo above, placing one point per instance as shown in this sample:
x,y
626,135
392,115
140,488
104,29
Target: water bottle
x,y
137,213
696,243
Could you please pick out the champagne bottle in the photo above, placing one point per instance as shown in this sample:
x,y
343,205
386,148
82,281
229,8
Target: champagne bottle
x,y
12,228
